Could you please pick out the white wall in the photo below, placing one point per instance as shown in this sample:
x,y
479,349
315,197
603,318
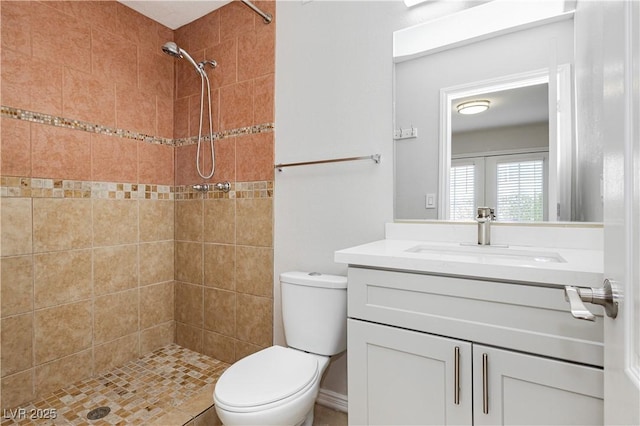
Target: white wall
x,y
520,137
334,87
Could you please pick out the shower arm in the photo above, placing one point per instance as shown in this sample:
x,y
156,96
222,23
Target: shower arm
x,y
266,16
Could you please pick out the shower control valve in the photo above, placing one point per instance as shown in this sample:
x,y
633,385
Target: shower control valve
x,y
205,187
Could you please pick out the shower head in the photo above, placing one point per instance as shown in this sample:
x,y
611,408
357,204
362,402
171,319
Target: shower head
x,y
170,48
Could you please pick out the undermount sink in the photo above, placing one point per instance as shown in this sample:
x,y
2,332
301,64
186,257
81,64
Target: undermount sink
x,y
487,253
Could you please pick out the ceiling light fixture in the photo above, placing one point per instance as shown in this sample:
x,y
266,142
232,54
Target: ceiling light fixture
x,y
473,107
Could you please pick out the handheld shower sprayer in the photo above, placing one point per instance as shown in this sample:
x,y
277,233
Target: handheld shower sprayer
x,y
171,48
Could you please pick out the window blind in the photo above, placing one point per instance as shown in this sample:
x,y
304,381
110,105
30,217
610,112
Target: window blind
x,y
520,191
462,192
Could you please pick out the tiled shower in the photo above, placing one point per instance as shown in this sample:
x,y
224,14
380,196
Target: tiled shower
x,y
107,254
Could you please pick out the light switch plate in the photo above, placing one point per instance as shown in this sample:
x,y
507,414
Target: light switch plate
x,y
430,201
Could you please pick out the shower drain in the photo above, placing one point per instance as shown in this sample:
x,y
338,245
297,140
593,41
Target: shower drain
x,y
98,413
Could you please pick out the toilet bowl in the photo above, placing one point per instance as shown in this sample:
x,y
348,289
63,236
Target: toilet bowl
x,y
276,386
279,385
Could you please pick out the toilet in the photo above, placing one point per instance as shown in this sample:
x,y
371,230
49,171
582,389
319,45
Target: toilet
x,y
278,385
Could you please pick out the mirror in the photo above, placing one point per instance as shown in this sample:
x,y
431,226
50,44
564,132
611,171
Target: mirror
x,y
498,154
514,156
525,71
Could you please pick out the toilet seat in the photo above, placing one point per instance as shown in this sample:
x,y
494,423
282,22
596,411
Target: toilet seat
x,y
266,379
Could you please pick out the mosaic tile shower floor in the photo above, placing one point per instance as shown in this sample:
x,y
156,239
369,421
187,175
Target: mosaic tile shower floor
x,y
170,386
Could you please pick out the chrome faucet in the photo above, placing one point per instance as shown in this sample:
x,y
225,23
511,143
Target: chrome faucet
x,y
484,218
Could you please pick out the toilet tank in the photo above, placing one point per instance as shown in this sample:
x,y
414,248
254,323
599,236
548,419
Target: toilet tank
x,y
314,311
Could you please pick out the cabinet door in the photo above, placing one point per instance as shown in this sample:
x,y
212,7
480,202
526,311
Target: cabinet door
x,y
518,389
397,376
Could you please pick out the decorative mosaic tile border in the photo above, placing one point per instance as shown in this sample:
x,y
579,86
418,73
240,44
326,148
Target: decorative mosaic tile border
x,y
17,186
37,117
249,130
259,189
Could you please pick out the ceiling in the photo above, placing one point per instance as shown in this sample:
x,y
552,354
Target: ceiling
x,y
175,13
523,105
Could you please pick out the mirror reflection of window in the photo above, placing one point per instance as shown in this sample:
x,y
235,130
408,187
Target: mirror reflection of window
x,y
520,190
514,184
465,195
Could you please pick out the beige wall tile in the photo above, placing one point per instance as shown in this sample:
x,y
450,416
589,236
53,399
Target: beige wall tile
x,y
16,227
219,347
61,224
254,272
189,304
156,337
62,330
189,220
189,337
17,285
59,373
220,311
156,220
255,222
115,315
17,389
115,222
254,319
220,221
244,349
115,269
17,344
61,277
189,262
156,304
156,262
220,266
116,353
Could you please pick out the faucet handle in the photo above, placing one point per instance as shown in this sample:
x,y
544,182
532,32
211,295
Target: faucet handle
x,y
486,213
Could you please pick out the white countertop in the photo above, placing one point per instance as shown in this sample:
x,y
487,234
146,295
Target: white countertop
x,y
577,266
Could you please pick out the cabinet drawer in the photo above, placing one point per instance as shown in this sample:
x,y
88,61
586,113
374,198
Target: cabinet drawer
x,y
531,319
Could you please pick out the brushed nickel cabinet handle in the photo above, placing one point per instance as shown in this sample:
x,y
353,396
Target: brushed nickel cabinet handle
x,y
485,384
456,375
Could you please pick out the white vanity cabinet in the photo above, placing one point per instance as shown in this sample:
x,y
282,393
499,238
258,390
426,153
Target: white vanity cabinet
x,y
402,377
525,389
427,349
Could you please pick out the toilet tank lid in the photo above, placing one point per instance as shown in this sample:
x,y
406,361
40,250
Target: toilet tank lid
x,y
314,279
